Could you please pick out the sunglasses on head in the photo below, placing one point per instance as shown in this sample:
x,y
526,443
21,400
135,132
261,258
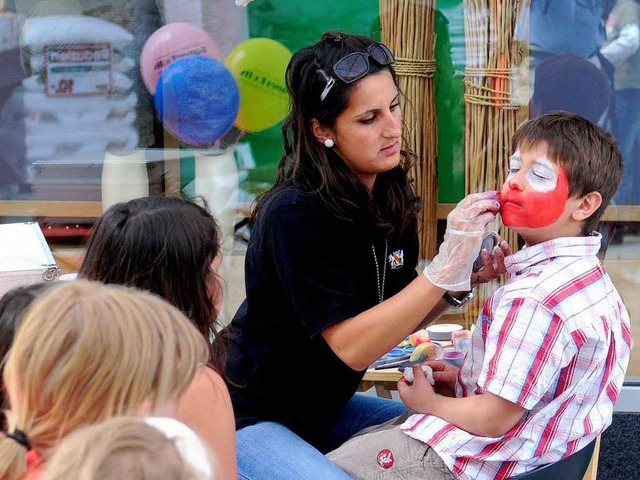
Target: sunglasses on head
x,y
354,66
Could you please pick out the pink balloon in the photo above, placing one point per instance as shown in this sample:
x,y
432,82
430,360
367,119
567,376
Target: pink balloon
x,y
170,42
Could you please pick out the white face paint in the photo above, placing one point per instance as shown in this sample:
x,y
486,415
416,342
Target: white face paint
x,y
542,174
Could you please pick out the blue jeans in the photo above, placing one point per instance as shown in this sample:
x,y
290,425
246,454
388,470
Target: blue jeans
x,y
271,451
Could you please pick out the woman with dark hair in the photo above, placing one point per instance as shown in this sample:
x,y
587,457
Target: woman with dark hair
x,y
171,247
330,268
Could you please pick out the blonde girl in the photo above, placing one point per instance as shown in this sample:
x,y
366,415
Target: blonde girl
x,y
86,352
133,448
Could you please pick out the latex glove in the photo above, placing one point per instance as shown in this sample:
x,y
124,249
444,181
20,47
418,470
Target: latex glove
x,y
451,267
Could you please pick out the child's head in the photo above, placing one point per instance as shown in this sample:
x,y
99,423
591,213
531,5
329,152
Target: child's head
x,y
167,245
86,352
132,448
562,175
13,306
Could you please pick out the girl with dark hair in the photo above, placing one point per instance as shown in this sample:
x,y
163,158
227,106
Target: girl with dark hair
x,y
171,246
330,268
13,307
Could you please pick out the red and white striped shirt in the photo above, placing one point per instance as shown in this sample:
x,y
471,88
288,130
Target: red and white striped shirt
x,y
555,340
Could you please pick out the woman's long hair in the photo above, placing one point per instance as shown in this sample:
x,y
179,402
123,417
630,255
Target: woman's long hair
x,y
86,352
164,245
392,206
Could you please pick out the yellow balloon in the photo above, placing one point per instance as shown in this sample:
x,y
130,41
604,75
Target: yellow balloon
x,y
259,66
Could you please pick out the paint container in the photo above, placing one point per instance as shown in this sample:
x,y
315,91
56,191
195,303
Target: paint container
x,y
461,344
454,358
443,331
460,333
396,352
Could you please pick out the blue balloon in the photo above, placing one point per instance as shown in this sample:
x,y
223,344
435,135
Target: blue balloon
x,y
197,100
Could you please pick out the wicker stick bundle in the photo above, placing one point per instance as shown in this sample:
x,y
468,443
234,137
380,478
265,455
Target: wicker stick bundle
x,y
491,113
407,28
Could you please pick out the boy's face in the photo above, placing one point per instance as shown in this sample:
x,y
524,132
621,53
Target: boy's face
x,y
533,199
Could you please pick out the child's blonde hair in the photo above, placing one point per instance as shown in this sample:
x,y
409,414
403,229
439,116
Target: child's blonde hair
x,y
132,448
86,352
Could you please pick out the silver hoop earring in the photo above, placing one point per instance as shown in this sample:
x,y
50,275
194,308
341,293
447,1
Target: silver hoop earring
x,y
329,143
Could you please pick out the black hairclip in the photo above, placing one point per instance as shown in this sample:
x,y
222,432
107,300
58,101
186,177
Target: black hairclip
x,y
20,437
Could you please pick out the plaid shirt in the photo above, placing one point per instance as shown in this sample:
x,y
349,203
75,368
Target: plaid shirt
x,y
555,340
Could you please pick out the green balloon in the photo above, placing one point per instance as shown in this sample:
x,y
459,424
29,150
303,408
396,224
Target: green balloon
x,y
259,66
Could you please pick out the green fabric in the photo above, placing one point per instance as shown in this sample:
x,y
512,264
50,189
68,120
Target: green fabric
x,y
449,88
298,24
187,171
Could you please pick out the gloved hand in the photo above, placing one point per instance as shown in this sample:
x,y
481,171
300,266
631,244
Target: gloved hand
x,y
451,267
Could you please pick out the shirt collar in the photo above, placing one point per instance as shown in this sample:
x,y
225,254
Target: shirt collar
x,y
558,247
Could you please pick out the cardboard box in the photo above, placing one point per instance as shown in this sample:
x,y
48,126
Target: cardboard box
x,y
25,257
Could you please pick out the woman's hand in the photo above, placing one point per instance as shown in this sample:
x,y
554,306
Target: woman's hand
x,y
492,262
451,267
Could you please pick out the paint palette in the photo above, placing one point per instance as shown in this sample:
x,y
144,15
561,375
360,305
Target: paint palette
x,y
395,352
488,242
442,331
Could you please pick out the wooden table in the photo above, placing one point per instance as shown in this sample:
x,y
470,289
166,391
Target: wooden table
x,y
384,381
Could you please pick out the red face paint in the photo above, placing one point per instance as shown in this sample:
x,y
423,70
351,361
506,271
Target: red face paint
x,y
525,207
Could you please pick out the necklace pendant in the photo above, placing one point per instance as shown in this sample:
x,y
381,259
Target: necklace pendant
x,y
380,284
396,259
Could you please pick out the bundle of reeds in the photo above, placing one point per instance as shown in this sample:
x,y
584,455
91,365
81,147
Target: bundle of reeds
x,y
492,111
407,28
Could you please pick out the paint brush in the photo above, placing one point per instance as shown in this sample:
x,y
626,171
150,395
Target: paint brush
x,y
422,353
385,361
398,364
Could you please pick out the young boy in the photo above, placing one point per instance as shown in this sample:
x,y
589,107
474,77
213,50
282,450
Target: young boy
x,y
550,348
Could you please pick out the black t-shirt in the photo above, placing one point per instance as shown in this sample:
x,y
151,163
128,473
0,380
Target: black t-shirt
x,y
305,271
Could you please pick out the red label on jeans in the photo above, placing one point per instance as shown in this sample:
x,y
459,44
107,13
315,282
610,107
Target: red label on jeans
x,y
385,459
